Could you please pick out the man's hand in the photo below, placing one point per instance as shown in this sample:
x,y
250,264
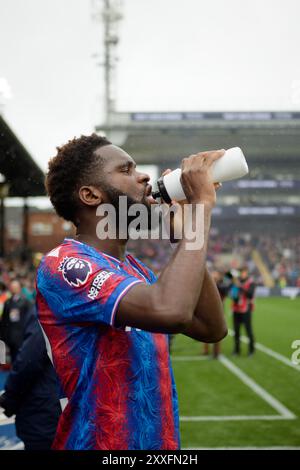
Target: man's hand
x,y
176,212
172,310
196,177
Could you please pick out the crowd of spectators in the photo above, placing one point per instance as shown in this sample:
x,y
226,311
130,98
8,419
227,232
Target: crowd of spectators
x,y
17,296
24,272
280,254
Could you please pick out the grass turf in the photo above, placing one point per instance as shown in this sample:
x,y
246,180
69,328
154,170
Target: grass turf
x,y
207,388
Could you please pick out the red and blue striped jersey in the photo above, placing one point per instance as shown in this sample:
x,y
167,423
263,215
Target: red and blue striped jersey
x,y
118,381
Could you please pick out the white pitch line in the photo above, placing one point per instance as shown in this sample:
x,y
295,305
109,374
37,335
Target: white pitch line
x,y
244,448
234,418
190,358
284,413
269,351
261,392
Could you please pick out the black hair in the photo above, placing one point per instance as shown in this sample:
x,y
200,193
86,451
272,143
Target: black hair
x,y
73,166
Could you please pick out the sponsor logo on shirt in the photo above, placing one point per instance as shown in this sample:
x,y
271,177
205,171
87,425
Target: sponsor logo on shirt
x,y
98,283
75,271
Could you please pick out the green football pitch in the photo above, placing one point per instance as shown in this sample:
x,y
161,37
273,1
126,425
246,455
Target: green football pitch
x,y
238,402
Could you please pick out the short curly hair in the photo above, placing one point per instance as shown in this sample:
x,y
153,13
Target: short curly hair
x,y
74,165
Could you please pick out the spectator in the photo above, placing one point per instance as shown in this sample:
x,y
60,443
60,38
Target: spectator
x,y
223,282
3,297
28,289
13,318
242,294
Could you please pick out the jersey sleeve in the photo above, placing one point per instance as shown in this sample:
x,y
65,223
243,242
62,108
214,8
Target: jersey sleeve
x,y
145,271
83,290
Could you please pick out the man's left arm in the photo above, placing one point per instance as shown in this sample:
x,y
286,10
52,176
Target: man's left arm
x,y
208,323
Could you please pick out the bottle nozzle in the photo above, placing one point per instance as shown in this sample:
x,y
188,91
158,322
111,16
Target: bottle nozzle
x,y
156,194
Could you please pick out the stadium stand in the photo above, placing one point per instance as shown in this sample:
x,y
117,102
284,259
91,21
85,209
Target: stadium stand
x,y
256,220
20,177
253,215
21,172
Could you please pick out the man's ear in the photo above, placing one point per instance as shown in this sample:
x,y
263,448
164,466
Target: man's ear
x,y
90,195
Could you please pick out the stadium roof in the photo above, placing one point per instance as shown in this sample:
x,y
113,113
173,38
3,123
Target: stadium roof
x,y
153,137
22,174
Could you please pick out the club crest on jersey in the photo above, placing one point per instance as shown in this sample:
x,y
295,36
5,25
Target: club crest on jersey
x,y
75,271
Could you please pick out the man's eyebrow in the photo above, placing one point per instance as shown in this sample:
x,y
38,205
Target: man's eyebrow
x,y
127,164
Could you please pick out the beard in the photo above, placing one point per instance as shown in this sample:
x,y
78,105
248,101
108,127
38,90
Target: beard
x,y
113,196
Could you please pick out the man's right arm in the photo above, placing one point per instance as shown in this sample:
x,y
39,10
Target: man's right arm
x,y
168,305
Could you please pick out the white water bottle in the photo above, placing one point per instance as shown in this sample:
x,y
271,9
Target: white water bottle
x,y
230,166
